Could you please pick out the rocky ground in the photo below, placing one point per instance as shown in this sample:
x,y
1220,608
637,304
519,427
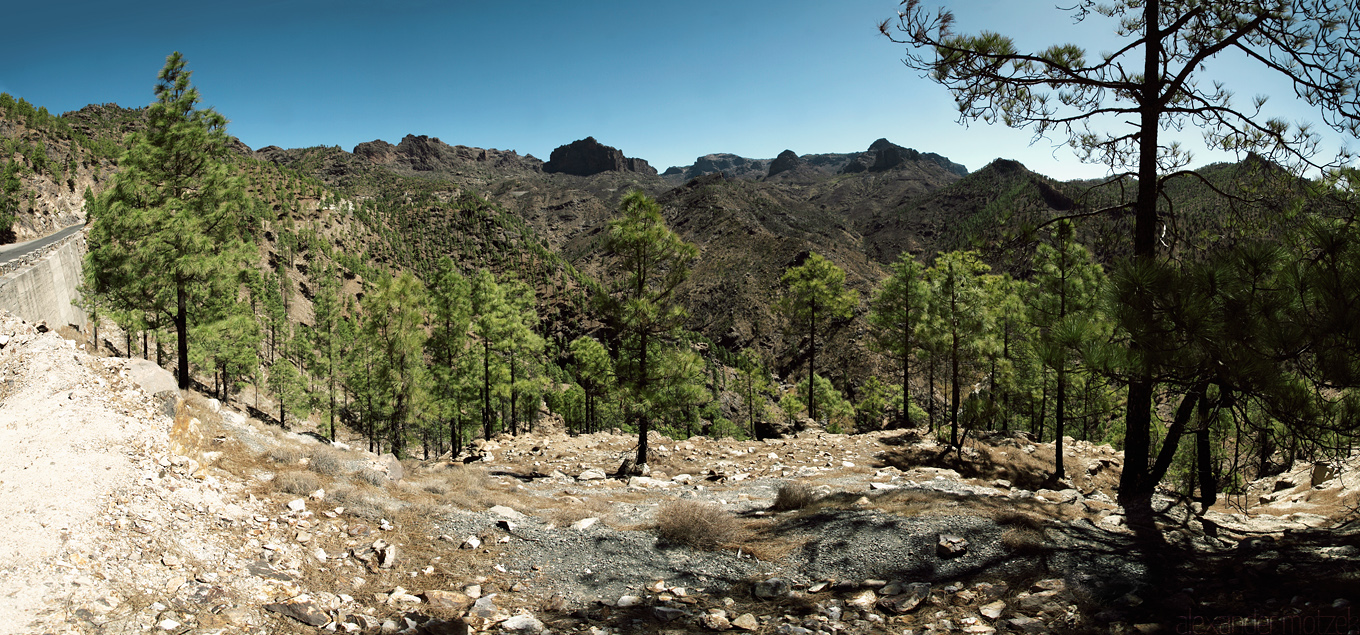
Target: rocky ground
x,y
131,508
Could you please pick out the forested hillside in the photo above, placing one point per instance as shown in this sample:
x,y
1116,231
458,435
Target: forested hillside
x,y
423,294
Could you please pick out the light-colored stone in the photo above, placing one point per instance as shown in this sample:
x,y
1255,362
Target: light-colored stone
x,y
297,505
592,474
993,610
628,601
746,622
584,523
522,622
770,588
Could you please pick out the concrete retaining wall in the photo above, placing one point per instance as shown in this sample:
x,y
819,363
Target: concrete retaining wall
x,y
44,291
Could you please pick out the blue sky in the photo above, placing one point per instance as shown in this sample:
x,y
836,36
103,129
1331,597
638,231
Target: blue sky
x,y
663,81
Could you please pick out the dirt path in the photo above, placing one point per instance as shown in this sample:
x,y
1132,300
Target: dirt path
x,y
71,431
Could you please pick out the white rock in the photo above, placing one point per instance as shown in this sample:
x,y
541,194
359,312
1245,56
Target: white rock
x,y
506,512
523,623
593,474
627,601
584,524
297,504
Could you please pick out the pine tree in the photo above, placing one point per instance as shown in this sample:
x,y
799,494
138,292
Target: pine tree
x,y
895,314
1068,291
643,307
173,228
287,385
450,318
960,318
491,320
326,341
394,326
595,374
816,291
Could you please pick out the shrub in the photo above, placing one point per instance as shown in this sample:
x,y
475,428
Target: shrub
x,y
373,477
297,482
284,454
698,524
327,461
793,495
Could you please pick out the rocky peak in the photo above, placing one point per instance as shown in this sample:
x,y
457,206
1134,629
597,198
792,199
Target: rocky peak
x,y
787,160
884,155
588,156
421,153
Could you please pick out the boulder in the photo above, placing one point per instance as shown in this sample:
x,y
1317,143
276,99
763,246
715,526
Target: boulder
x,y
951,546
157,382
911,597
392,466
770,588
306,612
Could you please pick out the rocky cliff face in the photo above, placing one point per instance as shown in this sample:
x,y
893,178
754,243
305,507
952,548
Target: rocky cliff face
x,y
429,154
787,160
728,165
588,157
885,155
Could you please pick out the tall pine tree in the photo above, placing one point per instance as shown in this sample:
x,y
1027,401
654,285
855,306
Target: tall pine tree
x,y
173,229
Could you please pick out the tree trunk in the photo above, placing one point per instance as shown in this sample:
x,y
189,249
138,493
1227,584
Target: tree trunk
x,y
182,331
1135,482
1059,417
812,365
486,389
644,422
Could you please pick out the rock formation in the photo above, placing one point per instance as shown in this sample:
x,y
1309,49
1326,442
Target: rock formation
x,y
885,155
588,156
787,160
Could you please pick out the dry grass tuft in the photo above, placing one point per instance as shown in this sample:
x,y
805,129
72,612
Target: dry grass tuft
x,y
1024,540
284,455
793,495
327,461
699,525
373,477
297,482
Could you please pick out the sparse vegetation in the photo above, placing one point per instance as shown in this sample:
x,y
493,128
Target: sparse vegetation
x,y
297,482
793,495
699,525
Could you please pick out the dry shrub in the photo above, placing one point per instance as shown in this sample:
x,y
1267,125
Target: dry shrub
x,y
1023,540
297,482
327,461
1019,520
793,495
373,477
699,525
284,454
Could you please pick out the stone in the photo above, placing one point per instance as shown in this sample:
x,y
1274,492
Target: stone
x,y
771,588
473,591
506,512
911,597
471,542
715,622
1028,625
320,554
584,524
1322,472
951,546
667,613
446,600
746,622
864,600
392,466
387,554
485,607
170,560
306,612
628,601
993,610
523,622
297,505
168,625
592,474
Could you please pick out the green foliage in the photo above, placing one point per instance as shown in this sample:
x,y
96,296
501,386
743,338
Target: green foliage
x,y
960,321
643,308
816,290
872,406
394,334
172,231
896,312
595,376
837,412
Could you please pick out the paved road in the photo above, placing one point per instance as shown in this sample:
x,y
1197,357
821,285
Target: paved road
x,y
19,250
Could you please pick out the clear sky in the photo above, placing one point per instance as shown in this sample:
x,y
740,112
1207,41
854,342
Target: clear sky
x,y
663,81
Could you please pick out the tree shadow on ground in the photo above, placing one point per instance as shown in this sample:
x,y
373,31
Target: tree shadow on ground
x,y
979,461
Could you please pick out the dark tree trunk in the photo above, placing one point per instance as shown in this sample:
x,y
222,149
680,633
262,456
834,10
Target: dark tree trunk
x,y
182,332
